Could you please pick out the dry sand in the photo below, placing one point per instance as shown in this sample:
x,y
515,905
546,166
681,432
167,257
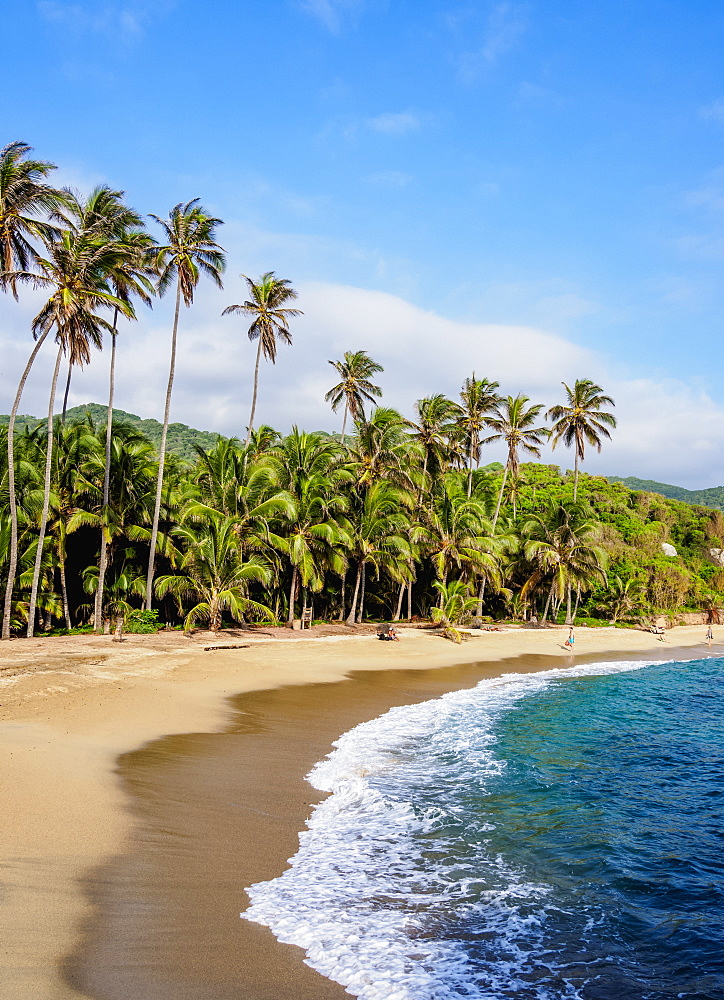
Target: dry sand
x,y
122,876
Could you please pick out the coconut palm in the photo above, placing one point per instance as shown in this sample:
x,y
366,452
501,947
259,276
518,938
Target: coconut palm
x,y
513,422
582,420
215,571
380,538
266,304
383,450
435,430
562,544
76,267
455,608
356,371
190,250
24,198
309,469
478,398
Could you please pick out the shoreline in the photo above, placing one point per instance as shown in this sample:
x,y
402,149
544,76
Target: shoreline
x,y
72,721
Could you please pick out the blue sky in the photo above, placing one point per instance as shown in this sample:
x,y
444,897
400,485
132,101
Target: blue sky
x,y
486,172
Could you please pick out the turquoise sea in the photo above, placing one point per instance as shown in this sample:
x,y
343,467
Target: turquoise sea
x,y
540,836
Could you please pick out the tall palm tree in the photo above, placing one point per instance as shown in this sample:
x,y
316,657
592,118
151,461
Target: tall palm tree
x,y
215,571
190,250
380,537
309,469
356,387
24,197
513,422
76,268
478,398
563,546
266,304
435,431
582,420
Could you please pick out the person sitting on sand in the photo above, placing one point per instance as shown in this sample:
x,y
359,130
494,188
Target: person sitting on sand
x,y
392,634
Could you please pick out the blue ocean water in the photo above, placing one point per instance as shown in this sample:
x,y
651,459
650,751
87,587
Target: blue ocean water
x,y
541,836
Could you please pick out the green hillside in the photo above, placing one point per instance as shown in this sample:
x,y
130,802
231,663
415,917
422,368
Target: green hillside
x,y
180,440
712,497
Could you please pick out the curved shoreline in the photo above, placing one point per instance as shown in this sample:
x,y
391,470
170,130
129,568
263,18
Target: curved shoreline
x,y
70,716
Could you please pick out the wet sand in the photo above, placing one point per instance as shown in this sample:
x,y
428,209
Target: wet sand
x,y
124,868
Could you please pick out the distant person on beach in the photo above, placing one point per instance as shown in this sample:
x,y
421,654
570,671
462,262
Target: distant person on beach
x,y
570,640
709,636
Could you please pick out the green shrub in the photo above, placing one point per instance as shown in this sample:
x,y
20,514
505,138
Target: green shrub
x,y
142,622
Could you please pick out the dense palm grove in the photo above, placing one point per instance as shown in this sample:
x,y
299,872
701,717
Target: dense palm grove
x,y
392,518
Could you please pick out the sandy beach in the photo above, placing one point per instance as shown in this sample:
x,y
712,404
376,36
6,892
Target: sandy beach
x,y
146,783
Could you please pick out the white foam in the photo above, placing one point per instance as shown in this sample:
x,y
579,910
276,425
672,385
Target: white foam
x,y
363,898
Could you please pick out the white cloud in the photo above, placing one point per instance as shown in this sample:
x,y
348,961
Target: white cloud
x,y
506,23
395,123
713,112
119,20
390,178
332,13
668,430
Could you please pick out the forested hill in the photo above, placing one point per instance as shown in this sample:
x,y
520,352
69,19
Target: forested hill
x,y
713,497
180,440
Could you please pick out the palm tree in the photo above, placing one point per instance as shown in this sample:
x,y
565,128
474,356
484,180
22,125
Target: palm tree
x,y
384,450
215,570
190,251
23,197
356,370
271,321
380,538
76,267
455,608
309,469
435,431
478,397
582,421
563,546
513,423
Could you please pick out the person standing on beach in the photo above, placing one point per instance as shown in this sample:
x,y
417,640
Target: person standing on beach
x,y
571,639
709,636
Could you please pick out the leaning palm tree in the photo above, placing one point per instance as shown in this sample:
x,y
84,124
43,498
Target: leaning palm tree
x,y
513,423
270,323
435,431
478,398
356,387
189,252
77,268
582,421
24,197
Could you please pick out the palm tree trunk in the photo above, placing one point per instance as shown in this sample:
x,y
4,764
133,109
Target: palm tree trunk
x,y
409,601
547,605
481,596
67,390
103,558
64,590
344,422
575,478
500,498
342,596
13,564
398,610
46,501
292,595
568,604
578,600
351,616
162,457
256,386
362,593
470,466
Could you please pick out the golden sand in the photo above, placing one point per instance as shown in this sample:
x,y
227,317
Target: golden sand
x,y
127,866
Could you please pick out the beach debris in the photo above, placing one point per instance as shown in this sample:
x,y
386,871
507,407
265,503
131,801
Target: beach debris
x,y
210,649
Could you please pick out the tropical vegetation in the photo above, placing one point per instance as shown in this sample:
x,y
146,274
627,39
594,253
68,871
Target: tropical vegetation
x,y
394,516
